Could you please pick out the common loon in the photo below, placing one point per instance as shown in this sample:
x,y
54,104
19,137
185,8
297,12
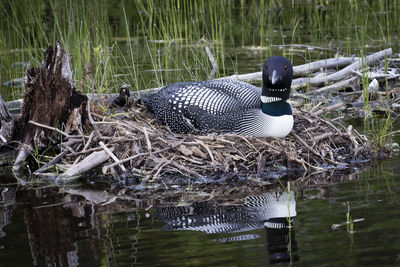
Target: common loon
x,y
229,106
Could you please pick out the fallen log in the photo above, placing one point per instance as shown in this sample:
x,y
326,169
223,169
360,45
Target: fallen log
x,y
300,69
352,82
88,163
343,73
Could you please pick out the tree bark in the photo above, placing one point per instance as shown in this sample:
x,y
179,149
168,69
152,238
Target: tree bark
x,y
49,99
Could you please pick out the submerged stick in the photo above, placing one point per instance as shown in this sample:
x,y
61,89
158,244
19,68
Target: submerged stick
x,y
51,162
306,46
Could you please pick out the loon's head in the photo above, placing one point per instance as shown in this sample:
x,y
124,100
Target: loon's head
x,y
277,77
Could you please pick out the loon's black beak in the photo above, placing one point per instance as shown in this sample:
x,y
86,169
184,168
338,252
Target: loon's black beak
x,y
275,78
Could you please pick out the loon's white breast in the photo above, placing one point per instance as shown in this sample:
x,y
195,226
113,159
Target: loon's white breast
x,y
258,124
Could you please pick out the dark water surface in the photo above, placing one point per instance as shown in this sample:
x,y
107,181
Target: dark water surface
x,y
45,226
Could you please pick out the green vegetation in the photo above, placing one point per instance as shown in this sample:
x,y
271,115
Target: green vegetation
x,y
378,127
380,131
349,222
29,27
149,43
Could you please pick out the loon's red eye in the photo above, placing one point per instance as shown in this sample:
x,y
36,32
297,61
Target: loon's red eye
x,y
285,67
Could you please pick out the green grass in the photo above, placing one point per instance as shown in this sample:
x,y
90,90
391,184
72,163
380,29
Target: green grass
x,y
150,43
81,27
379,128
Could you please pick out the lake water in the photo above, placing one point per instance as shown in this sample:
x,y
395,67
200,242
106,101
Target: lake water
x,y
44,225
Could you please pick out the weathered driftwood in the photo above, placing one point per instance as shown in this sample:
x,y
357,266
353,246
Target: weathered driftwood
x,y
332,63
300,69
49,99
389,75
88,163
352,82
343,73
327,109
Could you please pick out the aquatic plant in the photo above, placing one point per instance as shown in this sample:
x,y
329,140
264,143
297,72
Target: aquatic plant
x,y
349,221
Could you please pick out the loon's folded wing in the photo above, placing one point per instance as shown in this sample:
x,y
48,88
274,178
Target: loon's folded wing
x,y
216,97
203,105
249,96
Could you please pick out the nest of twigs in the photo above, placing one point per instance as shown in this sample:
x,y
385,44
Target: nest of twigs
x,y
147,149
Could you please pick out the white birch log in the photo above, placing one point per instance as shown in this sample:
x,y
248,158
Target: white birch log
x,y
88,163
343,73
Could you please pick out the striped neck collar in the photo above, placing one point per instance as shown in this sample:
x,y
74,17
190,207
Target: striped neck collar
x,y
269,99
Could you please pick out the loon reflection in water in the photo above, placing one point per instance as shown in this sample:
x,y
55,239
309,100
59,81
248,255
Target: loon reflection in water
x,y
274,211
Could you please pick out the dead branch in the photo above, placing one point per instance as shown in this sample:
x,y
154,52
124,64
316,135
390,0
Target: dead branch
x,y
88,163
343,73
352,82
300,69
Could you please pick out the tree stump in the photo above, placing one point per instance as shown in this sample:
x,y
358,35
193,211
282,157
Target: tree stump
x,y
49,99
